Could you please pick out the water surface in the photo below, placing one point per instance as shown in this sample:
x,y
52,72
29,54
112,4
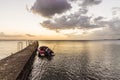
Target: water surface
x,y
9,47
79,60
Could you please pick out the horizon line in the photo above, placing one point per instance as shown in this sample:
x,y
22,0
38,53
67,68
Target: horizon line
x,y
56,40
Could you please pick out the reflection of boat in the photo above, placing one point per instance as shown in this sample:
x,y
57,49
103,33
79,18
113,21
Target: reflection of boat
x,y
45,51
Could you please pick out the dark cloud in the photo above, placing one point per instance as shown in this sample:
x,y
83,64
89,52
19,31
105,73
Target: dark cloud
x,y
98,18
86,3
74,21
78,19
48,8
91,2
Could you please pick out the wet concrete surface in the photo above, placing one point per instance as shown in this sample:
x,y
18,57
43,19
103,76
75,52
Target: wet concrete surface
x,y
11,67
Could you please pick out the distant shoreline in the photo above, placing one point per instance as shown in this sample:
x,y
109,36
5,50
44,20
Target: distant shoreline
x,y
60,40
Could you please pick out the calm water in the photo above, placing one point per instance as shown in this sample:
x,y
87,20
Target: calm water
x,y
9,47
79,60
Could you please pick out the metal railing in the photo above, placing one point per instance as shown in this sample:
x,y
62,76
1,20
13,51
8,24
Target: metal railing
x,y
20,44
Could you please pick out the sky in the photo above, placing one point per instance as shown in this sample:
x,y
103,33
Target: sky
x,y
60,19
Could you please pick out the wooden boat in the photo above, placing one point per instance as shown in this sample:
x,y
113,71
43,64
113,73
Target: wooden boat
x,y
45,51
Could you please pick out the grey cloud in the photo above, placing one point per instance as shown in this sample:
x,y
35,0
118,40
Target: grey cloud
x,y
83,10
115,11
77,21
74,21
2,34
114,24
98,18
111,29
48,8
91,2
117,8
29,35
86,3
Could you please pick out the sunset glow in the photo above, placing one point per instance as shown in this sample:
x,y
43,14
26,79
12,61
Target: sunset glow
x,y
68,20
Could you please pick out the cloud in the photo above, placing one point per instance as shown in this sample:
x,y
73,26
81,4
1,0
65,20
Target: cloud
x,y
114,24
116,11
29,35
79,19
4,35
98,18
48,8
110,28
76,20
91,2
86,3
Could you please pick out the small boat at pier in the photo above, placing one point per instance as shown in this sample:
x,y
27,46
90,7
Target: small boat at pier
x,y
45,51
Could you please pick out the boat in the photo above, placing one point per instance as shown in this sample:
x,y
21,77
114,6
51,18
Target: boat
x,y
45,51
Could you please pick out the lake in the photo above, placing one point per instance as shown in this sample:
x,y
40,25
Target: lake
x,y
73,60
9,47
79,60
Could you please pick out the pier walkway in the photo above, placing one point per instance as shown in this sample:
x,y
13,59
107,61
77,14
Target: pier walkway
x,y
18,66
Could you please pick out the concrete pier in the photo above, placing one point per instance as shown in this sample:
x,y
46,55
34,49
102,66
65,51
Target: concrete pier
x,y
18,65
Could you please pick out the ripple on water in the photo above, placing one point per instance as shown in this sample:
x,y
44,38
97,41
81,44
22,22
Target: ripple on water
x,y
82,61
